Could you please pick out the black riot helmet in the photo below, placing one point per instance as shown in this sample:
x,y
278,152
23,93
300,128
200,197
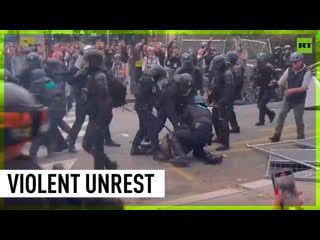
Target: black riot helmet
x,y
94,57
184,83
156,71
261,57
218,63
33,60
232,57
22,118
186,58
52,66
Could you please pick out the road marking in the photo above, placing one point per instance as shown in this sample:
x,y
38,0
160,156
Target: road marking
x,y
235,146
256,184
190,177
235,150
182,173
289,127
258,140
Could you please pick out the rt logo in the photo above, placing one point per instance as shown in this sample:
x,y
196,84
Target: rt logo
x,y
304,45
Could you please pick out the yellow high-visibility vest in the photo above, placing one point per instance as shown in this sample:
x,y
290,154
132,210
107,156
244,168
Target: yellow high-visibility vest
x,y
139,63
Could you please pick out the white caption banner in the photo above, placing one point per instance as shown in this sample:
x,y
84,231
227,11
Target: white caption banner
x,y
82,183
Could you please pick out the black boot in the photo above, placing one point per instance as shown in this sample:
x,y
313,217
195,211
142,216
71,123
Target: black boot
x,y
111,143
138,150
275,138
146,148
259,123
71,144
224,133
217,140
60,143
111,165
261,118
235,130
272,116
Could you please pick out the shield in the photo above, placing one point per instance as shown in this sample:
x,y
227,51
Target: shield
x,y
118,93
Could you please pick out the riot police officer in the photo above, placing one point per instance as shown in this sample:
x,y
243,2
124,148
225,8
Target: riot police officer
x,y
99,104
195,134
221,94
25,120
48,94
146,95
78,83
277,58
287,51
238,76
188,67
263,74
166,104
33,62
55,70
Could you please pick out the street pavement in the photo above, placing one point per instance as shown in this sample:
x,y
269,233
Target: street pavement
x,y
200,184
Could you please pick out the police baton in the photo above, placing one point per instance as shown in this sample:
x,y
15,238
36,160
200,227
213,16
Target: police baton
x,y
162,123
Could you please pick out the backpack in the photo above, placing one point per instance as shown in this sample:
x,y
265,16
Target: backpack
x,y
117,91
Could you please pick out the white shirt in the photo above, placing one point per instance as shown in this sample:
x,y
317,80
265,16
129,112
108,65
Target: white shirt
x,y
283,81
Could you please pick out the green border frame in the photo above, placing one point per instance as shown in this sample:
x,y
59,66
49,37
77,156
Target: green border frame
x,y
193,32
